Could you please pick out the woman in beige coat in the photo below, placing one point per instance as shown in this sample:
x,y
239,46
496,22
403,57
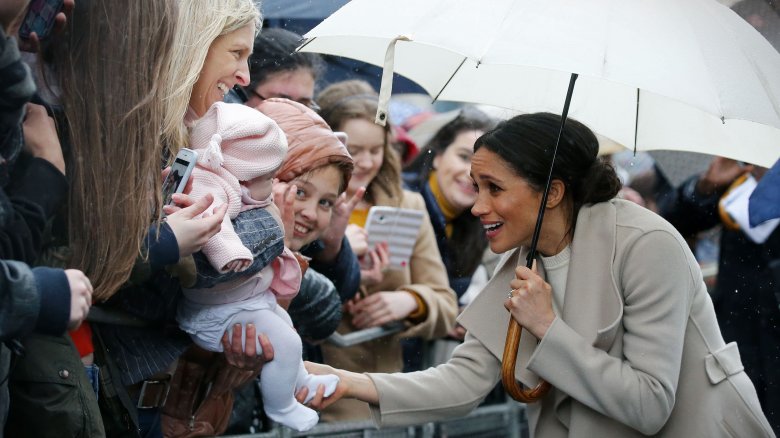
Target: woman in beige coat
x,y
419,294
616,316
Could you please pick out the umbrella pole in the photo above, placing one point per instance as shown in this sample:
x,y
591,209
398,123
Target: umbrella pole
x,y
509,360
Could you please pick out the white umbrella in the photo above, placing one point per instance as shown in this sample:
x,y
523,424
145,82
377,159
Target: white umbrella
x,y
662,74
654,74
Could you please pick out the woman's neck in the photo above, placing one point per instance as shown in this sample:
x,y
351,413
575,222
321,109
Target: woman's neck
x,y
448,210
555,236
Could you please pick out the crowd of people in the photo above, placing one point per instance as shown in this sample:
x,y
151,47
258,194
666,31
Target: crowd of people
x,y
125,316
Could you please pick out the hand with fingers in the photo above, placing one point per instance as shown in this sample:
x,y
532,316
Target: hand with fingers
x,y
358,239
190,222
33,43
720,174
241,351
242,361
373,264
40,136
339,222
351,385
284,200
80,297
237,265
530,301
381,308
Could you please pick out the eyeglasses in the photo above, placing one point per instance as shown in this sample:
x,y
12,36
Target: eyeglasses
x,y
307,101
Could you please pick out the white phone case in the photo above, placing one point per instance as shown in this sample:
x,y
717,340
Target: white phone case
x,y
181,168
399,227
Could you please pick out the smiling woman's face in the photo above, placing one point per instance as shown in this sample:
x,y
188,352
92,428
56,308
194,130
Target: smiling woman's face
x,y
506,204
452,170
225,66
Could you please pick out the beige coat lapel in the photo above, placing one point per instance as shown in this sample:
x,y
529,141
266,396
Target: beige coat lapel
x,y
593,304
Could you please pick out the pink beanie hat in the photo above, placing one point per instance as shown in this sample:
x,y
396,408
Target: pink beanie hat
x,y
311,141
244,141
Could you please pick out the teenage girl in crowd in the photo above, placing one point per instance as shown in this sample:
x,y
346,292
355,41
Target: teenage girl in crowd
x,y
441,175
417,295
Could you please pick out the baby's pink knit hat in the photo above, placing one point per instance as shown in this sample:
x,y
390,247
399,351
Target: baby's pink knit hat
x,y
244,141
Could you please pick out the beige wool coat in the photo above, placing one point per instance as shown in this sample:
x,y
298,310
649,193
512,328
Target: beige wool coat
x,y
635,351
425,276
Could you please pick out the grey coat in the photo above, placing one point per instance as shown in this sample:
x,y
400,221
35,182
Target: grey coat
x,y
635,351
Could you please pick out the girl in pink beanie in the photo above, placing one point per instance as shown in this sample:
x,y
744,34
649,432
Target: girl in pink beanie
x,y
239,152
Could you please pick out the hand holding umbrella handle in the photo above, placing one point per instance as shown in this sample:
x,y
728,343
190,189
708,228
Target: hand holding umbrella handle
x,y
511,385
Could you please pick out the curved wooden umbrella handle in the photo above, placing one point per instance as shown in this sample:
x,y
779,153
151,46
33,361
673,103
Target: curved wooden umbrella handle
x,y
511,385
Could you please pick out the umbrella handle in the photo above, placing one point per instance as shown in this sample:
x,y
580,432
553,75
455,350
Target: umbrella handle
x,y
511,385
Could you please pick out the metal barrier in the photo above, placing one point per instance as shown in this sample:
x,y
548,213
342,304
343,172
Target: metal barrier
x,y
506,420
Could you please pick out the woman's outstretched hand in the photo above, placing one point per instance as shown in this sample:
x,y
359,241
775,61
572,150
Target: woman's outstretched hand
x,y
351,385
531,302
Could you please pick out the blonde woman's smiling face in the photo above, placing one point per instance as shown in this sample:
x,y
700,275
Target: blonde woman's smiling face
x,y
226,65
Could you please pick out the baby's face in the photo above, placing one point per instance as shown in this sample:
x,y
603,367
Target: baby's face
x,y
261,187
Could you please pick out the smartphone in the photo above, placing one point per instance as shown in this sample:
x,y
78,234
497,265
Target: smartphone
x,y
179,175
40,18
399,227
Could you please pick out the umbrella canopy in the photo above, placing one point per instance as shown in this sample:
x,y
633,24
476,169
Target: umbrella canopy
x,y
664,74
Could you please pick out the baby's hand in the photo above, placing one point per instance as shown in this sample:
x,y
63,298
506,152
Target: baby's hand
x,y
237,265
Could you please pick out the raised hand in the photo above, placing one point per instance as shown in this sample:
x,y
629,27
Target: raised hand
x,y
373,264
284,200
721,173
339,222
33,44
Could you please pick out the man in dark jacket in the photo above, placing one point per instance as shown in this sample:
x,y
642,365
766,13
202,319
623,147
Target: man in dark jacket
x,y
745,292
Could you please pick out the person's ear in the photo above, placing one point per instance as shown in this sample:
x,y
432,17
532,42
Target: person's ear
x,y
557,193
435,162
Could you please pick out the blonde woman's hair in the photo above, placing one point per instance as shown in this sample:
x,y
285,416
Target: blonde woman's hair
x,y
201,22
356,99
108,65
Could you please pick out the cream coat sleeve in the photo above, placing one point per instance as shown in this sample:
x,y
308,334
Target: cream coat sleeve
x,y
447,391
637,389
429,279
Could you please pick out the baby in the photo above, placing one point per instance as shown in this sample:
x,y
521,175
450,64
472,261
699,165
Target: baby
x,y
239,151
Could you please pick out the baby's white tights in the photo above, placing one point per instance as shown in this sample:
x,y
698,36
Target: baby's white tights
x,y
283,376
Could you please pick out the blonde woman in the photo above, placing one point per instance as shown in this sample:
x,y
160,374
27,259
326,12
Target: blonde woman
x,y
211,45
417,295
212,49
